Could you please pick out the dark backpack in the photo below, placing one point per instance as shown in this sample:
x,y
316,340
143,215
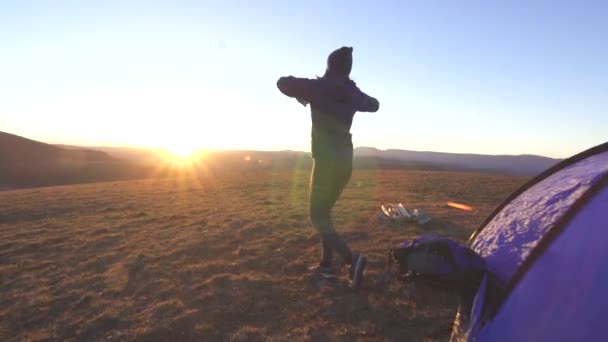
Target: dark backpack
x,y
438,261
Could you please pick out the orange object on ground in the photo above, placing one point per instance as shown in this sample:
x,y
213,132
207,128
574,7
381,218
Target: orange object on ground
x,y
460,206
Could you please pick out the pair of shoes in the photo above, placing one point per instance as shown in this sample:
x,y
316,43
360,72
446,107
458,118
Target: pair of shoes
x,y
356,270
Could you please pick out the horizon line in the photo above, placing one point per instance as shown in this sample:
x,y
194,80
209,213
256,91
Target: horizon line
x,y
201,149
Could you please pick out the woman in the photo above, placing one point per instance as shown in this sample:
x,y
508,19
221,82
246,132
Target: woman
x,y
334,99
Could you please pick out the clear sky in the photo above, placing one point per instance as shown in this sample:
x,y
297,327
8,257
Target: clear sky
x,y
496,77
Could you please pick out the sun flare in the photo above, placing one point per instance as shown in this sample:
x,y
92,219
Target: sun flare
x,y
181,151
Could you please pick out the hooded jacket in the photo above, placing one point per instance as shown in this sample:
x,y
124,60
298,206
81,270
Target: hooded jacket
x,y
333,104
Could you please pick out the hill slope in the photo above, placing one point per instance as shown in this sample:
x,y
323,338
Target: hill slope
x,y
29,163
15,150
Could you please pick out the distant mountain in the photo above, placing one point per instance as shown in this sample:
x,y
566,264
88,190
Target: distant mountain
x,y
143,156
28,163
516,165
365,158
19,150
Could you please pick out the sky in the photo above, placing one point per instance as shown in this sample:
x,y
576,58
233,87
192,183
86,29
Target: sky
x,y
491,77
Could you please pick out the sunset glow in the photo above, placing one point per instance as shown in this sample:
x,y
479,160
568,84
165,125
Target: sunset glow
x,y
181,151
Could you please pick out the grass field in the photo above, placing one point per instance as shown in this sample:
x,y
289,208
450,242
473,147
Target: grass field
x,y
220,258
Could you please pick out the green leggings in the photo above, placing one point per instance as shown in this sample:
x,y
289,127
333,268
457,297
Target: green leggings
x,y
329,177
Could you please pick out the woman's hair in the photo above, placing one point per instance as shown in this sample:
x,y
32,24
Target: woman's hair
x,y
340,62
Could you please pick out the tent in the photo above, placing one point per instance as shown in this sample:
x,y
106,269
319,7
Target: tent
x,y
546,253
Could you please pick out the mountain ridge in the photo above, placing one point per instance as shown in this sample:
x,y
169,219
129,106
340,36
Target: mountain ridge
x,y
29,163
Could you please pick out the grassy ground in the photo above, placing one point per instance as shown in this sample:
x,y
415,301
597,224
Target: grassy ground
x,y
222,258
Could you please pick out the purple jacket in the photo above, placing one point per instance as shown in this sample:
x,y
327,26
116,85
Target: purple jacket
x,y
333,104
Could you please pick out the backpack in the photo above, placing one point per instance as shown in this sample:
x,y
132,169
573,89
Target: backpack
x,y
438,261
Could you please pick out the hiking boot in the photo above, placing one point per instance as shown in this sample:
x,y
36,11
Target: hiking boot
x,y
356,270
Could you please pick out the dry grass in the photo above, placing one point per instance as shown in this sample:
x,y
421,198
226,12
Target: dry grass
x,y
219,259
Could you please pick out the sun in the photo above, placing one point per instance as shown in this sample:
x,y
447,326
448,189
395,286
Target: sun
x,y
180,150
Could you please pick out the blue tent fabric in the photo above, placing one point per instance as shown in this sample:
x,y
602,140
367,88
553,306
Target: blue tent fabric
x,y
546,252
562,297
508,239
